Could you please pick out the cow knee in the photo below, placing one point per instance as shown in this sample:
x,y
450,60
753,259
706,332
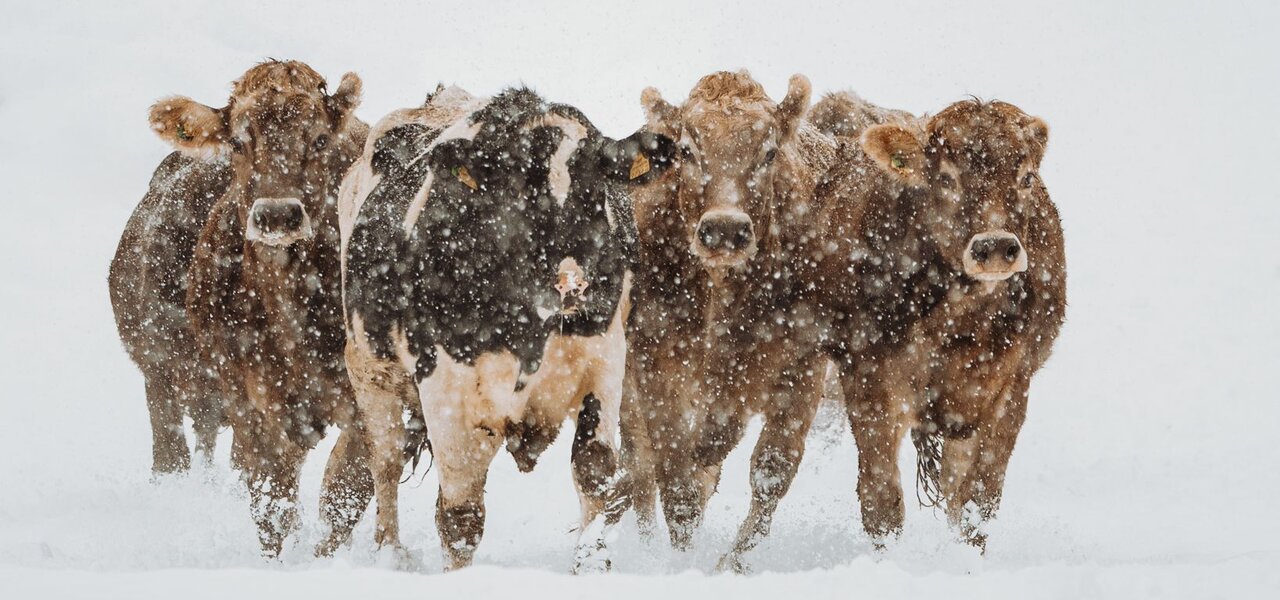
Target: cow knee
x,y
772,472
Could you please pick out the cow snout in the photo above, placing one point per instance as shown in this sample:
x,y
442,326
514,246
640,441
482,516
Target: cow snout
x,y
726,236
994,256
278,221
572,285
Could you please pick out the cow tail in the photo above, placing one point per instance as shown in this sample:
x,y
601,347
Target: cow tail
x,y
928,465
414,442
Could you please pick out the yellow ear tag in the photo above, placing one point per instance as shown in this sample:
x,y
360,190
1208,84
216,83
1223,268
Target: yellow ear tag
x,y
639,166
183,135
898,161
466,178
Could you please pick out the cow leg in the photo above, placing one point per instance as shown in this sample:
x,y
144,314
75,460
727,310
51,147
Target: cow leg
x,y
973,469
169,453
272,464
207,408
463,458
602,493
878,426
639,461
774,463
382,390
347,489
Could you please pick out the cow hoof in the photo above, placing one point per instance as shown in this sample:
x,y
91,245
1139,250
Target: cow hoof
x,y
733,563
399,558
592,558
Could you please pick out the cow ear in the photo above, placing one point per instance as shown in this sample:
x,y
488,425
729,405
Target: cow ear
x,y
451,160
639,158
793,107
1038,132
895,150
346,98
662,117
191,127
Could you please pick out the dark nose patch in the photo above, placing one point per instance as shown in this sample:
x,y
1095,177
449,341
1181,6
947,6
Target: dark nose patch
x,y
995,248
725,232
278,217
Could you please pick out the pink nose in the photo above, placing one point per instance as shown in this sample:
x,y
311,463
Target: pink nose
x,y
994,256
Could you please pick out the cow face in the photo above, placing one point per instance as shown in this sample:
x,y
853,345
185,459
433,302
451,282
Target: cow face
x,y
282,133
978,164
730,136
529,207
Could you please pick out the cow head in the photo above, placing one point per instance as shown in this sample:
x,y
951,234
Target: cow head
x,y
287,141
978,165
535,184
731,139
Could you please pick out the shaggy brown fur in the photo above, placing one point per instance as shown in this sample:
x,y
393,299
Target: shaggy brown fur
x,y
148,284
845,114
925,342
267,315
720,335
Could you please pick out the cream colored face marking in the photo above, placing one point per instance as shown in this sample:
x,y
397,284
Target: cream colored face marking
x,y
458,131
558,178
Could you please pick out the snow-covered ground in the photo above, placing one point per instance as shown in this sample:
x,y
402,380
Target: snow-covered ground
x,y
1148,465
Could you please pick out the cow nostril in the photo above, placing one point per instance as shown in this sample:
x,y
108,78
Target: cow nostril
x,y
1011,253
708,236
293,216
980,251
741,238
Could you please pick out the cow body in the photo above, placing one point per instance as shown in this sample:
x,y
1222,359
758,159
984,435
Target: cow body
x,y
263,295
722,330
148,285
947,288
461,222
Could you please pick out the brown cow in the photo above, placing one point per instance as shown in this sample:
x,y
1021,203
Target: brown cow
x,y
719,331
148,284
263,294
947,281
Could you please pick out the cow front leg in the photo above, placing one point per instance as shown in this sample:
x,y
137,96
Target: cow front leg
x,y
602,492
272,478
463,458
639,461
382,389
973,469
347,489
774,464
169,452
878,427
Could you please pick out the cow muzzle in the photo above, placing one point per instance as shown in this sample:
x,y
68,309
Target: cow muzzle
x,y
278,222
994,256
724,238
572,285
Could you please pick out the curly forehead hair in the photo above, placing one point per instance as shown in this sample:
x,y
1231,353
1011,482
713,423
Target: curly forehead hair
x,y
992,130
278,76
725,85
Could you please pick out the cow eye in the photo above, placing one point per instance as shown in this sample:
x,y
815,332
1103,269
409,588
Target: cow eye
x,y
686,152
321,142
946,180
770,155
1029,179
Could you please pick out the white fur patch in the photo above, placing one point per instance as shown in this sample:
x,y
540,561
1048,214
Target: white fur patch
x,y
574,132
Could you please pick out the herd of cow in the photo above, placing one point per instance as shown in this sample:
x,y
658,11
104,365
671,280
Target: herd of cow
x,y
470,273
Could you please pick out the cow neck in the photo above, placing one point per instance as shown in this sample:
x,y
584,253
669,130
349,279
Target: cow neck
x,y
289,291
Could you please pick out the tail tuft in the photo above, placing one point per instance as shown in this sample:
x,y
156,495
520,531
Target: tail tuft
x,y
928,466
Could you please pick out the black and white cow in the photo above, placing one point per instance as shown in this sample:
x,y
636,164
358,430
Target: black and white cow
x,y
486,253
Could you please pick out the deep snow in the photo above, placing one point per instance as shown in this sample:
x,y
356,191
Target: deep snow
x,y
1147,467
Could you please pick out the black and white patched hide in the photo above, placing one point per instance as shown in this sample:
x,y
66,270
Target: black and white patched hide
x,y
458,242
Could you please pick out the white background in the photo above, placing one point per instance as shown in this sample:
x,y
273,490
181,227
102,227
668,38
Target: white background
x,y
1148,464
